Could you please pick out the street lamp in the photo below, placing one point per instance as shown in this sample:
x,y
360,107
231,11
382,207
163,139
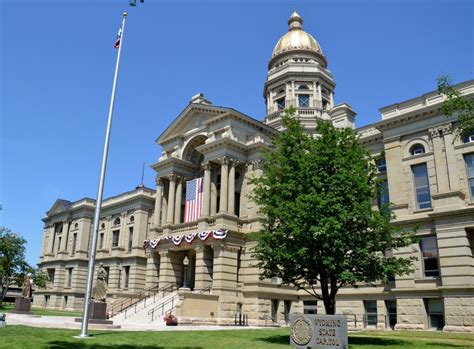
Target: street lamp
x,y
185,267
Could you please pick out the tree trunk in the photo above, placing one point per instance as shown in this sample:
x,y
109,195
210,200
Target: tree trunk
x,y
330,305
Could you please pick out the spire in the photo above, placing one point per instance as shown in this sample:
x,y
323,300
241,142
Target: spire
x,y
295,21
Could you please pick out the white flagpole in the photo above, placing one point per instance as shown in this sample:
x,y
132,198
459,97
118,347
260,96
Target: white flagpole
x,y
92,253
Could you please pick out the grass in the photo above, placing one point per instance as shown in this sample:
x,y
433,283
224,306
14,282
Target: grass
x,y
7,308
31,337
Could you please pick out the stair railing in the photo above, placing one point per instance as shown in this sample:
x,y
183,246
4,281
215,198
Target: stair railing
x,y
134,299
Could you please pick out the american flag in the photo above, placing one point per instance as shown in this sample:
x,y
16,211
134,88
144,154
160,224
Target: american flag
x,y
194,200
119,38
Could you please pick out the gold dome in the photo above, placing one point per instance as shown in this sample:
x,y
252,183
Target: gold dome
x,y
296,38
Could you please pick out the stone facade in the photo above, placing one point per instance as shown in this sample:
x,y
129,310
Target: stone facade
x,y
424,164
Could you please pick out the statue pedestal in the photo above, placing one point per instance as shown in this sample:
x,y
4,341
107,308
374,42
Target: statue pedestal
x,y
98,311
22,306
98,314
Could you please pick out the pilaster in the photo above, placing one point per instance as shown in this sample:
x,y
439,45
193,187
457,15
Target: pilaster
x,y
224,184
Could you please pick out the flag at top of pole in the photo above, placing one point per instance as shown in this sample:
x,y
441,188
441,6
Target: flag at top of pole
x,y
119,37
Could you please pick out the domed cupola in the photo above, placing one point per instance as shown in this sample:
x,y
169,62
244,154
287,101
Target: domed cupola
x,y
298,77
296,41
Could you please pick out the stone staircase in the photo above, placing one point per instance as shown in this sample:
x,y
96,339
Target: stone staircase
x,y
150,309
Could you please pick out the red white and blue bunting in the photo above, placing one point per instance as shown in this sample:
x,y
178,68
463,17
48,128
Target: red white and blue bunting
x,y
218,234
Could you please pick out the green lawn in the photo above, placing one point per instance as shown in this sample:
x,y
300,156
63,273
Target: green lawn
x,y
8,307
29,337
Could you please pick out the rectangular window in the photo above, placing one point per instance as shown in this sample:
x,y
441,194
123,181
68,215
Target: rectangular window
x,y
469,159
46,300
59,243
130,239
384,198
391,306
435,312
310,307
303,101
429,252
422,186
370,313
65,302
101,241
69,277
51,273
280,103
127,275
74,243
107,270
115,238
381,165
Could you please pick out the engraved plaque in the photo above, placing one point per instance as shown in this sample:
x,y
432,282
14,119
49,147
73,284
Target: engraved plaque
x,y
319,331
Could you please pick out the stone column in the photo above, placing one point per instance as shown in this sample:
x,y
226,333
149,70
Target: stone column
x,y
224,186
178,199
167,275
171,196
225,266
152,269
331,99
158,202
203,270
206,189
213,192
440,160
65,234
231,200
451,161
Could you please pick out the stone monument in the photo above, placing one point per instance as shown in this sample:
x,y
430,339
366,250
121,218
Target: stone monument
x,y
23,303
99,295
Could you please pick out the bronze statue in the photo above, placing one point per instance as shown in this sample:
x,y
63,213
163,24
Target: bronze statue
x,y
99,292
26,287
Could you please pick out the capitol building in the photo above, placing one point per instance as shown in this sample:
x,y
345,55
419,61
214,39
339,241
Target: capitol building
x,y
183,246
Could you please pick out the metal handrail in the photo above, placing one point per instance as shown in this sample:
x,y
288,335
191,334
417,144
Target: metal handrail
x,y
171,300
133,300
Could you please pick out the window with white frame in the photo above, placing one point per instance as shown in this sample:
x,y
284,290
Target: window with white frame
x,y
417,149
469,160
429,253
303,101
422,186
469,138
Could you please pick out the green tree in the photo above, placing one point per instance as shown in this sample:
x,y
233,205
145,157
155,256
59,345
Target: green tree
x,y
455,104
321,232
13,266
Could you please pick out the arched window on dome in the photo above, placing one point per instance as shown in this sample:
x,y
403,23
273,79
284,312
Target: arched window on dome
x,y
417,149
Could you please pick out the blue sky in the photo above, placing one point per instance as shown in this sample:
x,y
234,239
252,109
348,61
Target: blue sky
x,y
57,61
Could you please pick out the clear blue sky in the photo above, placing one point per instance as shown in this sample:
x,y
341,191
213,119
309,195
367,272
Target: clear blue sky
x,y
57,61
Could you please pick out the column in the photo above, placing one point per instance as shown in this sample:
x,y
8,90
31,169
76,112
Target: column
x,y
213,193
65,235
171,196
202,276
451,160
152,269
207,189
440,160
331,99
158,202
231,201
224,186
179,197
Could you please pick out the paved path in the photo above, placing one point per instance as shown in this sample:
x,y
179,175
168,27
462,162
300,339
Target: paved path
x,y
68,322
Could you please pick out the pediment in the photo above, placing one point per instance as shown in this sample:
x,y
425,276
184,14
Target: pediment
x,y
192,117
59,206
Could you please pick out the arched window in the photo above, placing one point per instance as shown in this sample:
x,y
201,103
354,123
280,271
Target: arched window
x,y
102,226
117,221
417,149
132,219
76,226
303,87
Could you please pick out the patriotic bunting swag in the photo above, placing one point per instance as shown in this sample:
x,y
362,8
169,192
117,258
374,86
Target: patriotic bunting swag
x,y
218,234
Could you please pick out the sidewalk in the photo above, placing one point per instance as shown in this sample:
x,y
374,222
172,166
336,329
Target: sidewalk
x,y
68,322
